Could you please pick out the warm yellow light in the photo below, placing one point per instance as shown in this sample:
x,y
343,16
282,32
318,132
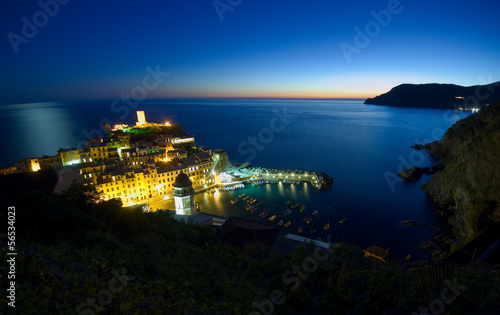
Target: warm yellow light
x,y
35,167
167,124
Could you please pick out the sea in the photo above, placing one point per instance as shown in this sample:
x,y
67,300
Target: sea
x,y
362,147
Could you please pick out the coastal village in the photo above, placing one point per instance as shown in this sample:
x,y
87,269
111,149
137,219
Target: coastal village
x,y
140,163
150,163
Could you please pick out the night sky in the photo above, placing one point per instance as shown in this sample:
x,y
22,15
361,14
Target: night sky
x,y
252,48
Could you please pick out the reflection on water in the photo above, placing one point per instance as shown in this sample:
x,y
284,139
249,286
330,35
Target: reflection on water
x,y
352,142
40,129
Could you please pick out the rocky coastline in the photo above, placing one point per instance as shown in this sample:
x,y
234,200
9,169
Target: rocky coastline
x,y
466,181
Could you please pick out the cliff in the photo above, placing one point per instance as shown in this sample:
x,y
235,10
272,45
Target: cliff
x,y
468,187
435,95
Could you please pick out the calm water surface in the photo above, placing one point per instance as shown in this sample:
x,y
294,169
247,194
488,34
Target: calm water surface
x,y
360,146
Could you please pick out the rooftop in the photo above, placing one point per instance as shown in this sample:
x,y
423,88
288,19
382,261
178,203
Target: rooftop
x,y
182,180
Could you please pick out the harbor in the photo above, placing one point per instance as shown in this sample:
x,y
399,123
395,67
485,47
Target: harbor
x,y
291,205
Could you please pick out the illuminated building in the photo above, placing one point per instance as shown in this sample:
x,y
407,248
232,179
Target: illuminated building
x,y
184,195
182,140
179,154
140,182
69,156
141,118
136,172
221,161
47,162
28,165
99,152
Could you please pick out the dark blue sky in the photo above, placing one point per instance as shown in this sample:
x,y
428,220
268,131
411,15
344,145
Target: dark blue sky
x,y
100,49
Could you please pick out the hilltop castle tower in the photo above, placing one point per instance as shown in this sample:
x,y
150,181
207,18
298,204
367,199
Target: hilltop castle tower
x,y
141,118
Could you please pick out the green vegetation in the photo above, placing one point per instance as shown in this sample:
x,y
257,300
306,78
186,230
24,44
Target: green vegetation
x,y
74,250
468,188
152,133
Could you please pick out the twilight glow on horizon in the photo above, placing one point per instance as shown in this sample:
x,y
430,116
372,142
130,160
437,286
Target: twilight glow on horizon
x,y
64,50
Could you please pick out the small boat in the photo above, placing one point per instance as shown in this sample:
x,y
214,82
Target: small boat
x,y
343,220
263,214
327,225
280,223
309,220
288,223
243,194
259,203
287,212
300,229
302,208
315,213
295,205
235,200
288,203
253,200
272,218
245,198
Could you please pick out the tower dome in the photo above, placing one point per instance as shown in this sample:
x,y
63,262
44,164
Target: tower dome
x,y
182,180
184,195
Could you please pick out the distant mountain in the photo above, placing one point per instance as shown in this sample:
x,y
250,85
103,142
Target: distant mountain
x,y
434,95
468,188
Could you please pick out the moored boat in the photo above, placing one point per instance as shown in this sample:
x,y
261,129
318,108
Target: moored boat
x,y
280,223
287,212
327,225
295,205
288,223
309,220
235,200
288,203
315,213
302,208
343,220
272,218
243,194
259,203
300,229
